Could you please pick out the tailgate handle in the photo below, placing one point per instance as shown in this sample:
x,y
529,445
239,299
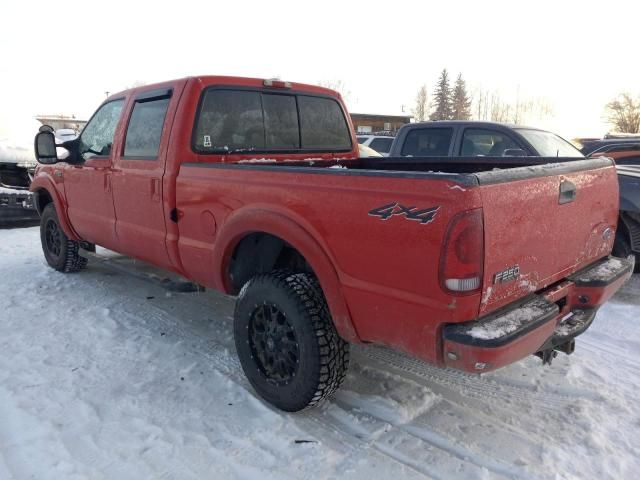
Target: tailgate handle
x,y
567,192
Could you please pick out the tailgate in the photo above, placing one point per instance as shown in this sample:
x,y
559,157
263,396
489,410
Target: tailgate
x,y
543,223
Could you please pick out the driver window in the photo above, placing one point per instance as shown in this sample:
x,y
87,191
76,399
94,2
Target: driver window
x,y
97,136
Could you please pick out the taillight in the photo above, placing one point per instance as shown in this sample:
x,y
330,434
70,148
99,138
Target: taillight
x,y
462,259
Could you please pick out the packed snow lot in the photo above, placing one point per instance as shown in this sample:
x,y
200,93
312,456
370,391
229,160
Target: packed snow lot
x,y
108,374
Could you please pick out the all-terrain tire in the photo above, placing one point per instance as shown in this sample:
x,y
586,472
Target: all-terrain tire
x,y
318,357
61,253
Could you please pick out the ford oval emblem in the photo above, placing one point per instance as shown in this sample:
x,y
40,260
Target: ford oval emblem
x,y
606,235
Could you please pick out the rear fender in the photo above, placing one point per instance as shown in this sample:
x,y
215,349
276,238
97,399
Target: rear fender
x,y
247,221
45,183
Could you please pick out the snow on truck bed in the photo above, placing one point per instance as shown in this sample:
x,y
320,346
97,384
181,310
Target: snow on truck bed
x,y
107,375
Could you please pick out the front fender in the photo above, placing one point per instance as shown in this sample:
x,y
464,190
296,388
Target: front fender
x,y
44,182
252,220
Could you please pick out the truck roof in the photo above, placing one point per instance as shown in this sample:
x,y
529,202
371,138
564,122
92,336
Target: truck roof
x,y
475,123
206,80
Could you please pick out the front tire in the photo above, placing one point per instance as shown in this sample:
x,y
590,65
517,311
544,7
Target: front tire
x,y
61,253
288,346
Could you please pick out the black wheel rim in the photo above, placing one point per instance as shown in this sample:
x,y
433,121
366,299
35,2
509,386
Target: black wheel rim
x,y
274,345
53,238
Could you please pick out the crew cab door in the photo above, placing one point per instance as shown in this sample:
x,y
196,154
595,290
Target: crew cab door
x,y
137,178
489,143
87,184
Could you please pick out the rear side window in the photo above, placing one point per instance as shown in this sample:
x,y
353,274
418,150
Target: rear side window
x,y
382,145
236,121
427,142
483,142
322,124
145,129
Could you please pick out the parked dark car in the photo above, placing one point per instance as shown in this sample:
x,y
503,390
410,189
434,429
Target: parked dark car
x,y
627,158
466,138
592,146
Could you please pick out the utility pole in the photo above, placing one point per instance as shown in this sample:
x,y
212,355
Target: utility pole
x,y
107,94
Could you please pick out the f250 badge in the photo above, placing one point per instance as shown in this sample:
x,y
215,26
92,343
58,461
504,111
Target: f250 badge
x,y
422,215
507,275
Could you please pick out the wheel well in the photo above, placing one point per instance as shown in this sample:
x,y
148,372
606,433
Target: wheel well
x,y
629,226
42,199
261,252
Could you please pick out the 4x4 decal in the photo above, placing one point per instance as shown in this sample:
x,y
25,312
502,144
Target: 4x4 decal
x,y
422,215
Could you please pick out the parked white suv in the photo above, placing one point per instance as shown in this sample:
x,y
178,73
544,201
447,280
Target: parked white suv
x,y
379,143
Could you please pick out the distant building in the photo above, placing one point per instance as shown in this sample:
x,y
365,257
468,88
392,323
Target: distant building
x,y
62,121
367,123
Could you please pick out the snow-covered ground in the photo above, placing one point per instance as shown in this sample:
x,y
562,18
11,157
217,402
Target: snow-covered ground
x,y
107,374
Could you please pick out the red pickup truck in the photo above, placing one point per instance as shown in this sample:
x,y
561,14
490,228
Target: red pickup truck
x,y
254,188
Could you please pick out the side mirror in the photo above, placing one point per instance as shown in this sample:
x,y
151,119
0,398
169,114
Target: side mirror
x,y
45,147
514,152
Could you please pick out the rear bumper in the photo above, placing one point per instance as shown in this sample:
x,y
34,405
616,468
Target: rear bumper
x,y
17,207
547,320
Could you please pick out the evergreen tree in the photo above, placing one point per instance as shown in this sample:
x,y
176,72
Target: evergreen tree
x,y
460,101
442,97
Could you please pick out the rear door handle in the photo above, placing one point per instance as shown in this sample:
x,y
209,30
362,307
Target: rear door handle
x,y
155,189
568,192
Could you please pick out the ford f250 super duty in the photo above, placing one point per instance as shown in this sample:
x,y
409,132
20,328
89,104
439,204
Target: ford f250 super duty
x,y
255,188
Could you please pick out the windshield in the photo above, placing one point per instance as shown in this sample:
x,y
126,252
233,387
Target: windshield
x,y
549,144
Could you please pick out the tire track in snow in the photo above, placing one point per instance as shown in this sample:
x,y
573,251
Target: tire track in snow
x,y
475,386
222,358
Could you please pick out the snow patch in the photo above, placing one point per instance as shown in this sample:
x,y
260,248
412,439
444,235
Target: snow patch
x,y
509,322
603,271
258,160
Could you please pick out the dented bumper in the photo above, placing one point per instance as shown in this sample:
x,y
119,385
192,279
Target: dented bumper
x,y
548,320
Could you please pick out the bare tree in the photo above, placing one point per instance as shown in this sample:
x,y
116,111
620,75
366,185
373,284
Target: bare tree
x,y
624,113
421,109
491,105
339,86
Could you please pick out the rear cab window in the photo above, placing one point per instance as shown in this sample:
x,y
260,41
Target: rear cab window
x,y
235,121
427,142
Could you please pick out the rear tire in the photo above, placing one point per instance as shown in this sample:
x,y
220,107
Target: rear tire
x,y
288,346
61,253
622,249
